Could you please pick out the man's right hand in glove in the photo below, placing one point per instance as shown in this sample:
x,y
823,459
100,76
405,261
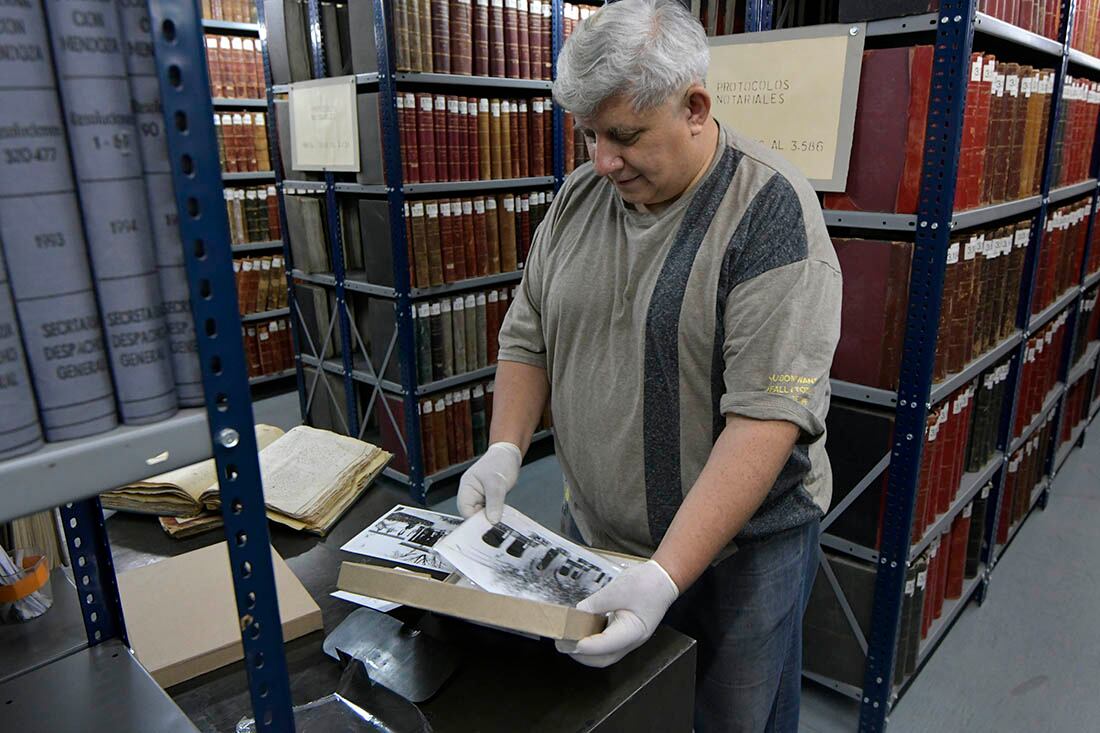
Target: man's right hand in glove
x,y
485,484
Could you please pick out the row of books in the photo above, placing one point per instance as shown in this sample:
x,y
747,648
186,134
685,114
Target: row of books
x,y
253,214
1061,253
978,311
572,15
1075,137
452,240
269,347
242,142
1075,407
1043,17
458,335
1001,153
1087,326
501,38
261,283
1092,262
1026,468
236,67
233,11
1086,27
450,138
576,149
1039,371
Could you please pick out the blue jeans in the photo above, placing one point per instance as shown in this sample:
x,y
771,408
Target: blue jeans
x,y
746,615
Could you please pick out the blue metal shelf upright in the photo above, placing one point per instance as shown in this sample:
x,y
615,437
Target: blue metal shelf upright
x,y
355,365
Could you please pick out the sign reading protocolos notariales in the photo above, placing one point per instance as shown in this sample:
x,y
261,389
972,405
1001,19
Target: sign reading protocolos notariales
x,y
795,91
324,125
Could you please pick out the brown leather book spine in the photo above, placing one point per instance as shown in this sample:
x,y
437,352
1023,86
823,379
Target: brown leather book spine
x,y
523,150
473,149
481,38
439,427
427,61
484,146
439,121
523,229
514,141
214,67
455,135
1048,97
435,243
992,150
534,34
449,426
507,140
425,137
403,60
496,38
1013,133
412,10
447,241
492,234
523,39
470,245
427,436
267,351
511,39
1020,187
508,262
537,139
462,61
547,135
252,341
481,244
495,138
468,426
402,124
421,266
441,36
547,54
225,62
458,238
920,64
410,150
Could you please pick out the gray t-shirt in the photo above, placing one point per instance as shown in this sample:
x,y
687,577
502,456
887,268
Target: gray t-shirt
x,y
653,327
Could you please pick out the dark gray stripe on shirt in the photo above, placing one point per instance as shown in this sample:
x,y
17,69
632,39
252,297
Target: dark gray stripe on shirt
x,y
661,405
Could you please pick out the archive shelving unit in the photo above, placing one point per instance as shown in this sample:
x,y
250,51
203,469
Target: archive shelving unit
x,y
355,365
954,26
99,683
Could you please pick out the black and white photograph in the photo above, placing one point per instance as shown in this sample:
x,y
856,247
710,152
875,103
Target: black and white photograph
x,y
519,557
406,535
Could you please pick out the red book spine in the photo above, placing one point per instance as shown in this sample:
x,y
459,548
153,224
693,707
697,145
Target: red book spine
x,y
470,246
547,55
439,114
409,149
511,39
402,124
523,230
523,150
441,36
461,37
481,38
514,143
534,32
462,127
458,243
455,138
473,149
481,243
447,237
547,136
920,81
496,38
537,140
523,39
425,138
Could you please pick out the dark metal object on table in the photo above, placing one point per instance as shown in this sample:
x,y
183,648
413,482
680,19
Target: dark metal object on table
x,y
396,655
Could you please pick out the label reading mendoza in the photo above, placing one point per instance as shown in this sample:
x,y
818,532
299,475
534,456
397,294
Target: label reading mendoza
x,y
324,125
795,92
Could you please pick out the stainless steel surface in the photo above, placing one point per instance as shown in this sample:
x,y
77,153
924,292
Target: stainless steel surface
x,y
1082,58
264,315
986,214
1068,192
871,220
861,393
472,81
102,689
55,634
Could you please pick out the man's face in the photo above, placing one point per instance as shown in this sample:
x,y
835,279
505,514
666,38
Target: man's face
x,y
643,154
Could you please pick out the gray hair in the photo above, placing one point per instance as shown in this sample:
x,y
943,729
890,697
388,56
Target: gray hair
x,y
646,49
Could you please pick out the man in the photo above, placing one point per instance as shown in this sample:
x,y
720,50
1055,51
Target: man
x,y
680,308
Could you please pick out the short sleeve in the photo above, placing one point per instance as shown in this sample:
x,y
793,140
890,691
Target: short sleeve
x,y
781,329
521,336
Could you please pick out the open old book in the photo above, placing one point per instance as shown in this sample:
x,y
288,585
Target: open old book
x,y
310,478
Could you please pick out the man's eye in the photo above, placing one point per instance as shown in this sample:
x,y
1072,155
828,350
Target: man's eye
x,y
627,139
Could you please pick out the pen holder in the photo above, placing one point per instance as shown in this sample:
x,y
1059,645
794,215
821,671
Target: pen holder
x,y
25,594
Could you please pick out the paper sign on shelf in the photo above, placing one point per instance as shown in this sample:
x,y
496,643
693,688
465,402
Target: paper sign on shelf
x,y
795,92
324,125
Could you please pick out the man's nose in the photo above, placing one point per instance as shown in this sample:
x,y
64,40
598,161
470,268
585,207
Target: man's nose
x,y
606,158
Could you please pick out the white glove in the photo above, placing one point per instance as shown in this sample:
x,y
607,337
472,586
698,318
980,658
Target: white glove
x,y
637,600
485,483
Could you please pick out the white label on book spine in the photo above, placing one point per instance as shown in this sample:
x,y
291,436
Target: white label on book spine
x,y
953,253
467,207
509,203
494,108
426,103
432,210
490,204
479,206
483,105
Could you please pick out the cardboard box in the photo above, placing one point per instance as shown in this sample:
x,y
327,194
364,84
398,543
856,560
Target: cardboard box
x,y
446,597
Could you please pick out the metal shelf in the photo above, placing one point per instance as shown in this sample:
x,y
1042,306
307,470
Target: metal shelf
x,y
971,484
239,103
252,29
1084,364
1067,192
457,468
380,189
265,378
303,187
473,81
985,24
994,212
1091,280
1047,314
940,391
48,638
472,283
257,246
843,688
951,611
264,315
71,470
908,222
361,80
1066,448
249,176
102,689
317,278
1083,59
1048,404
849,548
353,283
359,374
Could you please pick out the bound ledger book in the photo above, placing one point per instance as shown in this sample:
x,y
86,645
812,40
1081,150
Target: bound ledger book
x,y
310,478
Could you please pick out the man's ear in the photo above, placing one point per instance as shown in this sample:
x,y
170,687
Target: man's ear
x,y
697,103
